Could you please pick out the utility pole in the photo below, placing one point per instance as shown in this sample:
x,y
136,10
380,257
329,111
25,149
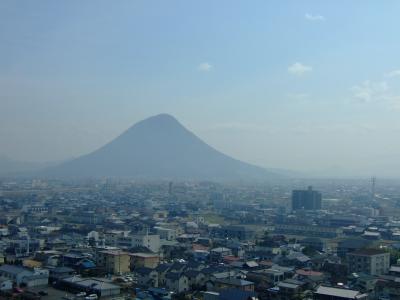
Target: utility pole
x,y
373,187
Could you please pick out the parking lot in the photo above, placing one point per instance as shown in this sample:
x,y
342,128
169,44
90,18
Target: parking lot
x,y
53,294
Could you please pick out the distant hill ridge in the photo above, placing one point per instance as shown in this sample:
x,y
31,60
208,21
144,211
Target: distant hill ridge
x,y
159,148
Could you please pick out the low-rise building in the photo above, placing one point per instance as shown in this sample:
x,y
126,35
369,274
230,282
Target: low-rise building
x,y
177,282
146,277
332,293
148,260
24,276
99,286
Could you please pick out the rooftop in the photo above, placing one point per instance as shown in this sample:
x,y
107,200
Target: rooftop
x,y
368,251
337,292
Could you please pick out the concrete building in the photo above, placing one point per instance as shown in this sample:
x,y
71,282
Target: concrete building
x,y
168,234
369,261
150,241
306,199
114,261
147,260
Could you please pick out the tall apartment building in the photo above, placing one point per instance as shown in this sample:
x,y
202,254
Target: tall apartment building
x,y
306,199
369,261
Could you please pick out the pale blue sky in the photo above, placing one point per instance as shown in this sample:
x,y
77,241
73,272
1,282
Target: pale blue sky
x,y
291,84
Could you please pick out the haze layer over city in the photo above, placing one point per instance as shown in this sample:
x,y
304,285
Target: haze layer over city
x,y
199,150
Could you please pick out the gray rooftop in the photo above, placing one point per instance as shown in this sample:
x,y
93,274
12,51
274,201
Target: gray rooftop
x,y
337,292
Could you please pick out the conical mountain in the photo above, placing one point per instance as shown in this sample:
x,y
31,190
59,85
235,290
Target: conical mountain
x,y
159,148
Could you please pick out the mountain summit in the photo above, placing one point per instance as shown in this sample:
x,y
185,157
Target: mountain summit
x,y
159,148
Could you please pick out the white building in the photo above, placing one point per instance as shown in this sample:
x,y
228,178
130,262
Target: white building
x,y
20,275
150,241
166,233
369,261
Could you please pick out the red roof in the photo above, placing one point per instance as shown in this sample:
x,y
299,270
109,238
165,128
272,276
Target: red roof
x,y
199,247
231,258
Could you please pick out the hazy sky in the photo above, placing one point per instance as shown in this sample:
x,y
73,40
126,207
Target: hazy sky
x,y
291,84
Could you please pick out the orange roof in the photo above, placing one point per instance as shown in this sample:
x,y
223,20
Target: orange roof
x,y
199,247
231,258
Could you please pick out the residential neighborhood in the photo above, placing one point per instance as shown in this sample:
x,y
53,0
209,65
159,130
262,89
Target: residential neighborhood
x,y
205,241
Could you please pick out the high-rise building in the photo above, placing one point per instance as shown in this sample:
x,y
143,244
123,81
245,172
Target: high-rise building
x,y
306,199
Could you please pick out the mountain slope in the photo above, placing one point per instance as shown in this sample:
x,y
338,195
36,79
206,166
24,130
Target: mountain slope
x,y
158,148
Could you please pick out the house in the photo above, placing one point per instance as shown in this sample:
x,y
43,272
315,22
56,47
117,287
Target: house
x,y
234,283
177,282
24,276
363,282
162,270
288,289
72,258
310,275
196,278
297,259
217,274
146,277
271,276
217,254
85,265
59,273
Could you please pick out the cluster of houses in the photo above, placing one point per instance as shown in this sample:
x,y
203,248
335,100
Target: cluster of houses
x,y
118,242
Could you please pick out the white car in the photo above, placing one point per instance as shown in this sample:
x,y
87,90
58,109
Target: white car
x,y
92,297
81,294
